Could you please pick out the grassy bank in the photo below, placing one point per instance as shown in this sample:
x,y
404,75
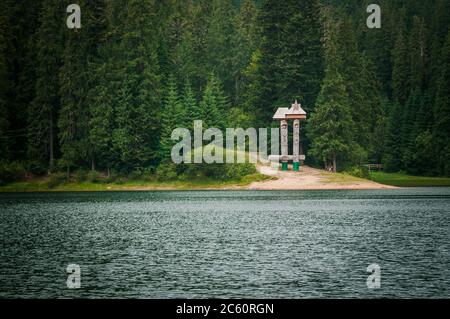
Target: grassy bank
x,y
342,178
42,185
402,180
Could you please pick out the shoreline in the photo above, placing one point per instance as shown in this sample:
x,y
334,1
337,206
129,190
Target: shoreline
x,y
268,178
313,179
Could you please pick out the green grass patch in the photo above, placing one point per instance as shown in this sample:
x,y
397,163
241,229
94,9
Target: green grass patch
x,y
342,178
41,185
403,180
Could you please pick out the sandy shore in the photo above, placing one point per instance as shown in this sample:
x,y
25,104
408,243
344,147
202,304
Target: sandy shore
x,y
311,179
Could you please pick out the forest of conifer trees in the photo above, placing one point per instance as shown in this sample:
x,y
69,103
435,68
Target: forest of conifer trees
x,y
107,96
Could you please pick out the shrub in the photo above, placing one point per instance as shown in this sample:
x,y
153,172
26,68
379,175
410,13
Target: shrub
x,y
80,175
36,167
93,177
109,179
166,172
238,171
11,172
219,171
135,174
121,180
359,171
56,179
148,173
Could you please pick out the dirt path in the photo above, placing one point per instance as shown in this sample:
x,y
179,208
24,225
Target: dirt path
x,y
311,178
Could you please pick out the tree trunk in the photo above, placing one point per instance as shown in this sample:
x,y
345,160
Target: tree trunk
x,y
334,164
51,152
93,163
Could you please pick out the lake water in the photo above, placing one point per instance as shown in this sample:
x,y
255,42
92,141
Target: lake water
x,y
199,244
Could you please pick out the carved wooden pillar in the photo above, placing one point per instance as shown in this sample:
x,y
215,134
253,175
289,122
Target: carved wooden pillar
x,y
296,146
284,145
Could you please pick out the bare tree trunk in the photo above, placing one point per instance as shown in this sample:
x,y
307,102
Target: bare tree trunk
x,y
51,163
93,163
334,164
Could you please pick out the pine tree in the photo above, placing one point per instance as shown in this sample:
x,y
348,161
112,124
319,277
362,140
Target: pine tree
x,y
209,108
219,43
441,127
101,119
330,126
177,33
173,116
190,105
223,105
357,79
246,42
400,72
4,123
375,118
393,156
45,105
135,136
77,76
398,123
106,76
291,64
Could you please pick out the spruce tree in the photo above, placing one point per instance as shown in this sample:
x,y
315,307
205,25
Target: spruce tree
x,y
101,119
400,72
441,127
190,105
330,126
4,124
292,62
172,116
209,108
357,79
219,43
106,75
77,76
246,42
43,110
135,136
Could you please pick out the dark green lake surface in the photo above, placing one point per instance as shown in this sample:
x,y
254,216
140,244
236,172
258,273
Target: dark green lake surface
x,y
200,244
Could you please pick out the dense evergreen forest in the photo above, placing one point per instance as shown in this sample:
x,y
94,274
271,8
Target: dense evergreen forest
x,y
107,96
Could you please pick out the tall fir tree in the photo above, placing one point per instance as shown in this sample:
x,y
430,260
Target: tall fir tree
x,y
331,127
23,23
246,42
210,113
135,136
190,105
357,81
4,84
220,35
76,78
291,64
441,127
173,115
400,72
43,110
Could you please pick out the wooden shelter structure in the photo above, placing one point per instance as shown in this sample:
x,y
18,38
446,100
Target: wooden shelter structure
x,y
283,114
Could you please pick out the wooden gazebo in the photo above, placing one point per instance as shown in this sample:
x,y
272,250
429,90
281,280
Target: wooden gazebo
x,y
283,114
